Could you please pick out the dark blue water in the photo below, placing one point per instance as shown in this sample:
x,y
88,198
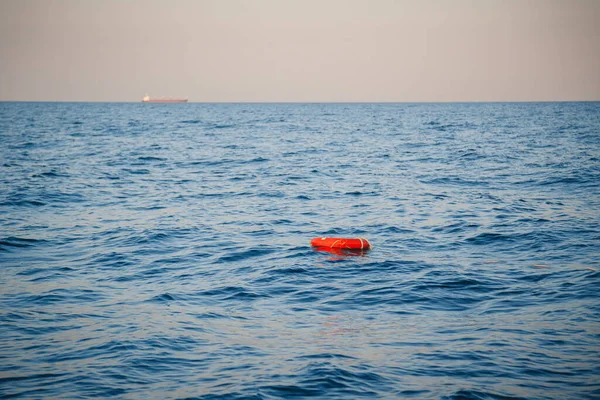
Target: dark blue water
x,y
162,251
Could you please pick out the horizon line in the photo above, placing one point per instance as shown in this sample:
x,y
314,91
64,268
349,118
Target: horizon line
x,y
307,102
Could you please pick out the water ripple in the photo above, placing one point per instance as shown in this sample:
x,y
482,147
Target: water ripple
x,y
163,251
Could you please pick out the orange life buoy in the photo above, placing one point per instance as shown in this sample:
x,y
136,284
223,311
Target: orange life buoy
x,y
341,243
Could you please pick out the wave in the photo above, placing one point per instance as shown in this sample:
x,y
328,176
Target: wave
x,y
165,252
15,242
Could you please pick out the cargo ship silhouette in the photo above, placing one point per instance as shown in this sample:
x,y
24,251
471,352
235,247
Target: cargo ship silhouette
x,y
147,99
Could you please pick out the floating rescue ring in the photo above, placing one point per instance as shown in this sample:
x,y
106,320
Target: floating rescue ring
x,y
341,243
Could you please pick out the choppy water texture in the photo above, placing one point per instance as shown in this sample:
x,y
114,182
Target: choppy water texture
x,y
162,251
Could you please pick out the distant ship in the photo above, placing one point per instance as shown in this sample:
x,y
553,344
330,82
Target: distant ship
x,y
147,99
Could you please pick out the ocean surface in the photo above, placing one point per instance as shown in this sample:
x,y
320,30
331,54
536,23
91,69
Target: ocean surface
x,y
154,251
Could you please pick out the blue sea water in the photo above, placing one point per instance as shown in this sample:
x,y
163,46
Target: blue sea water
x,y
162,251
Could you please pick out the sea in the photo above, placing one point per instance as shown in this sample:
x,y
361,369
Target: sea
x,y
162,251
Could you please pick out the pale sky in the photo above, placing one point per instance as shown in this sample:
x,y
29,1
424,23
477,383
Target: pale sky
x,y
300,50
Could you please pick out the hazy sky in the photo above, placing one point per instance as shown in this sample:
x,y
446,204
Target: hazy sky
x,y
300,50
